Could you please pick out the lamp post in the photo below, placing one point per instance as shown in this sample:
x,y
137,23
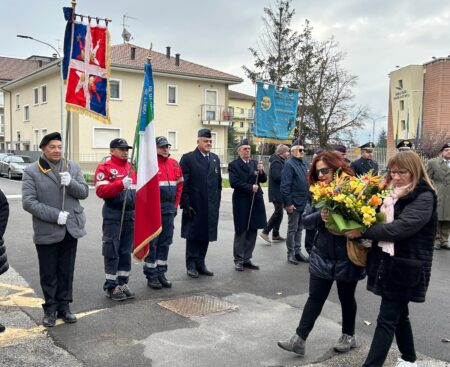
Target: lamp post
x,y
373,125
60,74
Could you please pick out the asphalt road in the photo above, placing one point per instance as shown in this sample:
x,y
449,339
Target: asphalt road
x,y
266,304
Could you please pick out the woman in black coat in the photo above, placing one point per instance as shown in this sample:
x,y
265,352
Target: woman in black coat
x,y
4,214
328,262
399,263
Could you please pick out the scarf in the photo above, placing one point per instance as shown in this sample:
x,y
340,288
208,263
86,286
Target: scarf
x,y
387,208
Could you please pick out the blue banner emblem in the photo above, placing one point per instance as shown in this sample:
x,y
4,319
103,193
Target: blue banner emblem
x,y
276,111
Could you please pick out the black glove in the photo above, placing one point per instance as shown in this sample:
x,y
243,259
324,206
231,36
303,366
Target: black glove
x,y
190,212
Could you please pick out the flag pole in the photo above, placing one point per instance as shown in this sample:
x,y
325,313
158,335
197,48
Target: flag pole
x,y
261,148
149,61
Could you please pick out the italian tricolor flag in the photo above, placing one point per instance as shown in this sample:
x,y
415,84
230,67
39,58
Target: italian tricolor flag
x,y
148,207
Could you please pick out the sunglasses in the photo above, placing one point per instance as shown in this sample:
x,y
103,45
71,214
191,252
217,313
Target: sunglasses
x,y
323,171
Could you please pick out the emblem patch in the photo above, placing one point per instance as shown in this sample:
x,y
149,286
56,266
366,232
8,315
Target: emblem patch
x,y
100,176
113,171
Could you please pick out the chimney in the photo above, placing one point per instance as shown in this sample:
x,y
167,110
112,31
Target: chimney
x,y
177,59
133,53
55,56
40,63
168,52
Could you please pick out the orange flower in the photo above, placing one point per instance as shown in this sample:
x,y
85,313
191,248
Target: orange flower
x,y
375,200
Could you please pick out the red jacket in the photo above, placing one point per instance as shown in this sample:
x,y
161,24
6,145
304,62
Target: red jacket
x,y
109,186
170,180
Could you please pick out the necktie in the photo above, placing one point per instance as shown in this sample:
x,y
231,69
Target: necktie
x,y
207,158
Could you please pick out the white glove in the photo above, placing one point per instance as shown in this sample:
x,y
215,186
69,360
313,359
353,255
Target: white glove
x,y
127,181
65,178
62,218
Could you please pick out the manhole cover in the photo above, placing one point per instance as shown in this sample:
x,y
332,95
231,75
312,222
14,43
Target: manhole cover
x,y
198,305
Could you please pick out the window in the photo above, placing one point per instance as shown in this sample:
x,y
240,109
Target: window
x,y
26,113
44,94
17,101
402,105
241,111
231,111
242,124
36,96
172,94
43,132
36,139
2,100
102,136
403,125
115,89
211,104
214,140
2,124
250,113
172,138
400,84
18,135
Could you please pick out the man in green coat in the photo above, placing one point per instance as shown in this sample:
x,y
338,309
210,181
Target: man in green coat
x,y
439,171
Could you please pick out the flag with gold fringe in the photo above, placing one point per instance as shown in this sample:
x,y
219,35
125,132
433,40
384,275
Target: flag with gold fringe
x,y
87,69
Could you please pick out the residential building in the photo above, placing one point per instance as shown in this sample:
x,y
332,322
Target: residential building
x,y
242,111
418,102
188,97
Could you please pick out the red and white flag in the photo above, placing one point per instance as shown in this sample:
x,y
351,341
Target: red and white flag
x,y
148,206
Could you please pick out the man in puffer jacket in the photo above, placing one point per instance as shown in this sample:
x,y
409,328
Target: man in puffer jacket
x,y
4,214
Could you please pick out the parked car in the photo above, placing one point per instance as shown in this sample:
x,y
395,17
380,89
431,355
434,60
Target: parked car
x,y
3,155
13,165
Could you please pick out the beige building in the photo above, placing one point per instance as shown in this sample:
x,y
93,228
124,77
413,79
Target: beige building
x,y
419,108
188,97
242,110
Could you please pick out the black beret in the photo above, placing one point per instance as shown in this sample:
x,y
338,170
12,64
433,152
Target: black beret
x,y
161,141
445,146
119,143
404,144
243,142
47,138
204,133
368,145
340,148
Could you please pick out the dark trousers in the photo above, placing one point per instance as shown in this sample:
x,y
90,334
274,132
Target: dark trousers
x,y
393,319
276,219
318,293
310,236
56,266
294,233
195,254
117,252
243,246
155,263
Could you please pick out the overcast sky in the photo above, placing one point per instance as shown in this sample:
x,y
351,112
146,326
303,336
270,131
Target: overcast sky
x,y
377,35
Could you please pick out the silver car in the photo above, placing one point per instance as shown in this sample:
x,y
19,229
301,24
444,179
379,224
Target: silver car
x,y
13,165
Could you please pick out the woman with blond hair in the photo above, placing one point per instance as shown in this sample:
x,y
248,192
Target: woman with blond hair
x,y
399,263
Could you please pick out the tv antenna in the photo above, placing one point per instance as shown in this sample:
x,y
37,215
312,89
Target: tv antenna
x,y
126,36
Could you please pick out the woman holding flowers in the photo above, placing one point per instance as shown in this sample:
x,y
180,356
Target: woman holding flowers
x,y
328,263
399,263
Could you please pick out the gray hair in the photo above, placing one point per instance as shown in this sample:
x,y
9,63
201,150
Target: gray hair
x,y
281,148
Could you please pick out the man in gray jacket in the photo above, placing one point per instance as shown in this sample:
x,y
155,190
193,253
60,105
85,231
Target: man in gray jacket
x,y
56,227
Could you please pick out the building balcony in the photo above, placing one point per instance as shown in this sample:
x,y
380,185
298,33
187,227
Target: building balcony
x,y
215,115
243,113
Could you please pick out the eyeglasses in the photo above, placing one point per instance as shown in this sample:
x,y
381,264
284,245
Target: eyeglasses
x,y
301,150
400,172
323,171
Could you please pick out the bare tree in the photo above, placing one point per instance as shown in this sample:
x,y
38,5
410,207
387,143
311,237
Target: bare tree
x,y
431,143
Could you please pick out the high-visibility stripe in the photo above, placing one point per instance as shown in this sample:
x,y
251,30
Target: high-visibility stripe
x,y
150,265
167,183
99,183
111,276
161,262
122,273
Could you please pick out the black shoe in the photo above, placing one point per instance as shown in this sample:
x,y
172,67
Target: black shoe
x,y
300,257
49,319
164,282
239,267
204,271
292,260
154,283
192,273
250,265
67,316
278,238
2,328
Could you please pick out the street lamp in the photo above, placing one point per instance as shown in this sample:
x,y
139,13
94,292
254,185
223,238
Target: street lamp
x,y
373,125
61,76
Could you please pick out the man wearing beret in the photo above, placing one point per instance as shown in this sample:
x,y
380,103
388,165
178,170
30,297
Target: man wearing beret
x,y
170,180
439,171
404,145
342,151
248,218
56,227
200,201
115,183
366,163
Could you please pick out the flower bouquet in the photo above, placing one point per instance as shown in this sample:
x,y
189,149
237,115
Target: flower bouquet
x,y
352,202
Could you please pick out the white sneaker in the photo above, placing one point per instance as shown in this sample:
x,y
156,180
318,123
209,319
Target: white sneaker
x,y
402,363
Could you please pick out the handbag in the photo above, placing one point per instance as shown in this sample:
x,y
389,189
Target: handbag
x,y
357,253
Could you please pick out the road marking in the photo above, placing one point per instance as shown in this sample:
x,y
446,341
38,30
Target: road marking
x,y
18,299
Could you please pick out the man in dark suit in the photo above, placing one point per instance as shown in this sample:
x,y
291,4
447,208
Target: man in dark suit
x,y
245,175
366,163
200,201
